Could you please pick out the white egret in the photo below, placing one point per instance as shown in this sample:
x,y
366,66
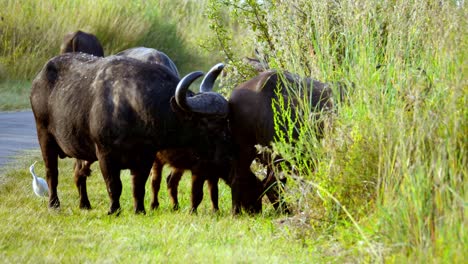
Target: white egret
x,y
39,184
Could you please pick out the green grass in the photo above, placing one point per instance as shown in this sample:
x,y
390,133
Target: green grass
x,y
14,95
32,233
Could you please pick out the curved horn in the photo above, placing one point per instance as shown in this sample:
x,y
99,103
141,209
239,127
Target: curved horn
x,y
208,82
182,87
207,103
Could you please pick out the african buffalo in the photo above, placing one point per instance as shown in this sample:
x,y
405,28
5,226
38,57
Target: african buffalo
x,y
80,41
251,122
121,112
179,159
150,55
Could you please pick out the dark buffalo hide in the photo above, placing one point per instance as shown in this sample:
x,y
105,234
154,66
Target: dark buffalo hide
x,y
119,111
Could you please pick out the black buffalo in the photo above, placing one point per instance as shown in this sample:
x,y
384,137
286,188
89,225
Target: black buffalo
x,y
119,111
251,122
80,41
179,159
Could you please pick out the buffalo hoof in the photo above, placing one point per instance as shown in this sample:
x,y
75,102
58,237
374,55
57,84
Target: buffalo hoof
x,y
193,211
116,213
140,211
54,203
175,207
85,205
154,206
114,210
236,210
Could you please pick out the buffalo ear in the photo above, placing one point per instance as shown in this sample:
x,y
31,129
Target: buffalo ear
x,y
51,72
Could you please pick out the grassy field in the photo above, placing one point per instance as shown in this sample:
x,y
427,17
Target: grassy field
x,y
387,183
31,233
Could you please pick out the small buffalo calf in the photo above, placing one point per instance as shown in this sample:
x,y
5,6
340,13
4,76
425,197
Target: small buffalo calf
x,y
202,170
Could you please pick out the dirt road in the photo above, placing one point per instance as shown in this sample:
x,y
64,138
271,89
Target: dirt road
x,y
17,133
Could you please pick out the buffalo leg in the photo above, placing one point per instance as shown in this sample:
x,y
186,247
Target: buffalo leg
x,y
110,170
246,187
246,192
156,175
50,152
172,185
139,177
213,188
235,191
197,192
273,189
239,171
82,171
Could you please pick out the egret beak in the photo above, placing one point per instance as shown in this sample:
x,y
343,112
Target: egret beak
x,y
31,168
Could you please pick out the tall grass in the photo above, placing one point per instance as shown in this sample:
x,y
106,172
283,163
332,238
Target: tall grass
x,y
31,31
395,157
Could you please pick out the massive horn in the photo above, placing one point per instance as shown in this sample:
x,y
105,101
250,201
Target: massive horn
x,y
208,103
208,82
182,87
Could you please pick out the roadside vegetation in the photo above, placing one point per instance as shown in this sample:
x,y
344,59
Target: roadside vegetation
x,y
386,183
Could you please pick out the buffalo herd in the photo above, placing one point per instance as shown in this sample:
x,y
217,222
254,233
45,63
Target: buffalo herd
x,y
132,111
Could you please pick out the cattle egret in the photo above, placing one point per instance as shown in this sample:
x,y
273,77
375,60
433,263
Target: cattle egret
x,y
39,184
